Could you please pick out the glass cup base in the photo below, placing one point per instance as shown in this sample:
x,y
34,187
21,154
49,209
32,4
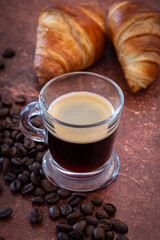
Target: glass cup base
x,y
82,182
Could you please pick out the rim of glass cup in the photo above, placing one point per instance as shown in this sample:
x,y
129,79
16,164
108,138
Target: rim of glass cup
x,y
114,115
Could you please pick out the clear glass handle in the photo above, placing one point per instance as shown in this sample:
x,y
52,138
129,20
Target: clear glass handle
x,y
36,134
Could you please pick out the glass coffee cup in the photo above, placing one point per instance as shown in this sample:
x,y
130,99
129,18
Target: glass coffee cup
x,y
80,112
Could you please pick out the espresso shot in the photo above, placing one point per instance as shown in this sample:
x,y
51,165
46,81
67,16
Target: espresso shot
x,y
81,149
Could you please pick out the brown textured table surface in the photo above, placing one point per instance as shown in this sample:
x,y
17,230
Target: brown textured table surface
x,y
136,191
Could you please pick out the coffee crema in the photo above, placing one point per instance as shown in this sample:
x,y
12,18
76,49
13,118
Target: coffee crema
x,y
81,108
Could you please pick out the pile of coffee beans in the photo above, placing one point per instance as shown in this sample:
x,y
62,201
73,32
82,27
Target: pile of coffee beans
x,y
6,53
21,165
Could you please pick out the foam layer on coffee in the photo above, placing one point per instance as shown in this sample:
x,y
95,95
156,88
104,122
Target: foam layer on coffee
x,y
81,108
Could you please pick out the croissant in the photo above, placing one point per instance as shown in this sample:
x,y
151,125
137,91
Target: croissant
x,y
135,31
69,38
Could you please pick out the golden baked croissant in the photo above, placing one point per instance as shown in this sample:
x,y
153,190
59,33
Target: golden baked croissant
x,y
135,31
69,38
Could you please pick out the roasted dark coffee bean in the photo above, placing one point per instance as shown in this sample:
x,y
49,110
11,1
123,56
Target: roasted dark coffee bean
x,y
13,152
100,213
109,235
2,64
4,112
20,99
36,215
7,101
80,225
17,161
22,151
74,201
32,152
39,192
28,161
52,198
6,165
16,169
14,112
104,226
27,189
77,209
38,200
97,201
76,235
48,186
62,236
66,209
7,124
105,222
8,141
91,220
122,237
5,149
63,227
5,213
8,52
15,186
35,179
39,148
23,178
119,226
110,208
39,157
1,187
72,218
54,212
80,195
63,193
99,233
9,177
89,230
29,144
2,159
41,172
87,208
14,134
20,137
36,122
6,134
36,166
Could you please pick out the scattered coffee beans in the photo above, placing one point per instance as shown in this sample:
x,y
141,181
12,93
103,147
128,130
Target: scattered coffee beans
x,y
8,52
54,212
5,213
36,215
119,226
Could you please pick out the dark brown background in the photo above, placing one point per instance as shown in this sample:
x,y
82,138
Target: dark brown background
x,y
136,191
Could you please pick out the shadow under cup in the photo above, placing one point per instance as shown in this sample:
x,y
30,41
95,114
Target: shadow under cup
x,y
85,162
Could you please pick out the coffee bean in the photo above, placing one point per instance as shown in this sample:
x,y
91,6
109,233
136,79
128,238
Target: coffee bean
x,y
35,179
13,152
5,149
7,124
122,237
8,141
48,186
89,230
97,201
4,112
39,157
39,192
9,177
39,148
72,218
54,212
2,64
20,137
28,161
80,195
32,152
110,208
66,209
1,238
77,209
6,165
99,233
20,99
109,235
14,112
41,172
5,213
1,188
91,220
8,52
52,198
36,166
63,193
29,144
22,151
2,159
105,222
17,161
23,177
104,226
15,186
38,200
36,122
16,169
76,235
63,227
36,215
62,236
100,213
27,189
119,226
6,134
14,134
7,101
87,208
73,201
80,225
